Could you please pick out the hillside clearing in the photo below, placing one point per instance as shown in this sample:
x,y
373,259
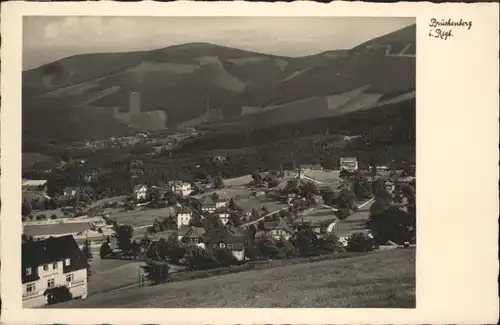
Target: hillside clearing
x,y
381,279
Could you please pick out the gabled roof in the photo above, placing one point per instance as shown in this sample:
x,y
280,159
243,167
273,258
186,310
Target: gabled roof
x,y
206,200
51,250
34,182
229,235
195,232
139,186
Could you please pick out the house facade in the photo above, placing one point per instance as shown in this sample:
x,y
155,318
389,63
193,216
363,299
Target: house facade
x,y
280,233
49,263
184,217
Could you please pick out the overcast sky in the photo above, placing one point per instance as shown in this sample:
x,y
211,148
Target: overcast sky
x,y
49,38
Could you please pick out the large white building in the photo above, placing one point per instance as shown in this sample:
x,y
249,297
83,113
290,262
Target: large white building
x,y
49,263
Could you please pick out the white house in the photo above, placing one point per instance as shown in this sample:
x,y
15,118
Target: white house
x,y
221,204
141,192
280,233
184,217
182,188
50,263
223,217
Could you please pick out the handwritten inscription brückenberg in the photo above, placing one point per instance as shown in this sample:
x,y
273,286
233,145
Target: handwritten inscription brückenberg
x,y
444,28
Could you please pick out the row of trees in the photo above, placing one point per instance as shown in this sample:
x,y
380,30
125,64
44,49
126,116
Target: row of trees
x,y
390,220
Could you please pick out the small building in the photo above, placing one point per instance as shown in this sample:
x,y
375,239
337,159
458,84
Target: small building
x,y
194,236
182,188
223,217
184,216
282,232
209,205
141,192
50,263
226,237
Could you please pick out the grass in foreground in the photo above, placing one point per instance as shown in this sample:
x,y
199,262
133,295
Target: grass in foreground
x,y
381,279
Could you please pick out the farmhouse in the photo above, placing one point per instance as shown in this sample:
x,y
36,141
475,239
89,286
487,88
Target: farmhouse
x,y
51,263
226,237
184,216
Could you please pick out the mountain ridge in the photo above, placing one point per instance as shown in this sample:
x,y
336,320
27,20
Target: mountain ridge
x,y
179,80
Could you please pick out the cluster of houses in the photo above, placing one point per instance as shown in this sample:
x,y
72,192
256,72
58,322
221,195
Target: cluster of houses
x,y
142,192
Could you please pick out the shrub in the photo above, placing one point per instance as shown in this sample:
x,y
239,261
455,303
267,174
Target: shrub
x,y
361,243
58,294
53,217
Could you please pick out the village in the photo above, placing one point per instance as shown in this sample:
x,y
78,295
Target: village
x,y
161,232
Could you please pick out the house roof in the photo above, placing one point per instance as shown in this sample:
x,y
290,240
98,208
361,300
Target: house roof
x,y
34,182
139,186
205,200
260,233
186,209
53,249
182,231
195,232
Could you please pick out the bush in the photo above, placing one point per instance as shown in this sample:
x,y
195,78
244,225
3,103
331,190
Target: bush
x,y
361,243
58,294
53,217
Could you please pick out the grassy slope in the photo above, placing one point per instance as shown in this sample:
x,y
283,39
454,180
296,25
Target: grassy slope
x,y
381,279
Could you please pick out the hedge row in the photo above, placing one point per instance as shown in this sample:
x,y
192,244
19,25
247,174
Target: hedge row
x,y
191,275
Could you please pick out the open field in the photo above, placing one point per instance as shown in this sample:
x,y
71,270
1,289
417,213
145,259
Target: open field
x,y
355,222
108,274
330,177
381,279
140,218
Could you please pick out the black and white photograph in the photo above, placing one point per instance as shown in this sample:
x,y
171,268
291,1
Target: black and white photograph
x,y
227,162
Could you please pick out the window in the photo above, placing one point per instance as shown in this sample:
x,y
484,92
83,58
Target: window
x,y
51,283
30,288
45,267
70,278
54,266
28,271
67,262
